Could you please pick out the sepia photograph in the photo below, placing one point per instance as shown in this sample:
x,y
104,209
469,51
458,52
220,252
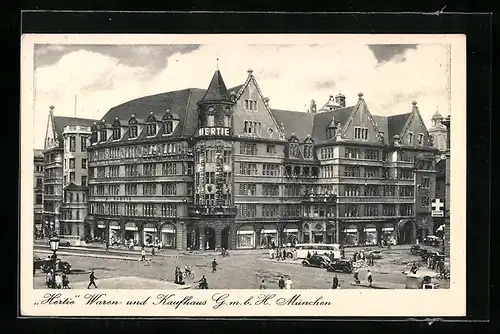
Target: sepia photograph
x,y
221,162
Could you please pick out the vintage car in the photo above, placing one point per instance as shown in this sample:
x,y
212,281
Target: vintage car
x,y
48,263
376,254
417,250
433,240
317,260
341,265
436,256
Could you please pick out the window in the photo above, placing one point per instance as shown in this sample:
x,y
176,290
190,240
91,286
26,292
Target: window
x,y
130,209
248,169
72,144
72,177
103,135
250,105
389,210
149,169
351,210
389,191
84,163
371,210
150,129
169,189
114,171
410,138
148,210
227,121
406,174
130,189
248,189
271,149
116,133
371,154
38,199
83,143
420,138
406,210
248,149
210,156
406,191
292,149
371,190
130,170
271,169
149,189
168,128
252,128
352,171
351,191
247,210
351,153
39,182
84,180
133,131
168,210
209,199
270,210
308,151
425,182
72,163
360,133
169,168
209,177
210,120
226,157
424,201
270,190
371,172
114,189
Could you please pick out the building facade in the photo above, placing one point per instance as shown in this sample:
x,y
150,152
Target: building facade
x,y
202,169
65,165
38,162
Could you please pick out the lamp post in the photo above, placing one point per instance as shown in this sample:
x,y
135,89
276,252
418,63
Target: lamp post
x,y
54,246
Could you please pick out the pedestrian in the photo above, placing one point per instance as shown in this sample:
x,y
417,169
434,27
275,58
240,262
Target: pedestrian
x,y
417,241
355,256
48,279
176,275
288,283
342,252
369,277
153,251
214,266
65,281
203,284
413,268
356,277
92,279
263,285
284,254
308,255
281,283
271,254
370,259
429,262
295,254
335,283
143,254
107,246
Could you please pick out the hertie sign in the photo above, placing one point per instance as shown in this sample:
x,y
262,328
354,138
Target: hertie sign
x,y
213,132
437,208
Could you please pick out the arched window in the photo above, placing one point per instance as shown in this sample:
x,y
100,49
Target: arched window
x,y
151,129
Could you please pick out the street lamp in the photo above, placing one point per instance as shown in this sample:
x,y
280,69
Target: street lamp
x,y
54,246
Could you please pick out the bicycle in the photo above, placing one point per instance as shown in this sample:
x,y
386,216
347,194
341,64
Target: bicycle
x,y
443,275
189,274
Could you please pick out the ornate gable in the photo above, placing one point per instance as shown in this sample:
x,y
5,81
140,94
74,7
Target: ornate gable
x,y
361,109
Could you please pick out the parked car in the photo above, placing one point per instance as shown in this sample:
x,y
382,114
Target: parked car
x,y
417,250
376,254
64,242
433,240
317,260
48,263
436,256
341,265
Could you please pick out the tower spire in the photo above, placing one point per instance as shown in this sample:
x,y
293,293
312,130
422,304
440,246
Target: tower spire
x,y
217,90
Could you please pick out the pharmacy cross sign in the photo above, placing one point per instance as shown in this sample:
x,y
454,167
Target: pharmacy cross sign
x,y
437,208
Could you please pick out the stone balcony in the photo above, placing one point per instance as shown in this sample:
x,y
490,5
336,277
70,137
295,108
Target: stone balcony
x,y
219,211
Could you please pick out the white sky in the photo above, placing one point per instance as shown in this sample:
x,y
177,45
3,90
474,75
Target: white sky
x,y
290,75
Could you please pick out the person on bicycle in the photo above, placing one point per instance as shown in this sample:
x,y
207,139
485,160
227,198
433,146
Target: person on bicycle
x,y
187,269
203,283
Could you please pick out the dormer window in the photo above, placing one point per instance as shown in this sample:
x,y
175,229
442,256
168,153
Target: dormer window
x,y
133,131
150,129
293,149
420,138
168,128
103,135
360,133
116,133
308,151
331,133
410,138
93,137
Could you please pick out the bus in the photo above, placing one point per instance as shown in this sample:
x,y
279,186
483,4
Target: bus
x,y
303,249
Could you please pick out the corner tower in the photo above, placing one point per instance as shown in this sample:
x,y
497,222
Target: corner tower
x,y
213,210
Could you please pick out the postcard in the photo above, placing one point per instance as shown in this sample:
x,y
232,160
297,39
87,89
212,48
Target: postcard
x,y
243,175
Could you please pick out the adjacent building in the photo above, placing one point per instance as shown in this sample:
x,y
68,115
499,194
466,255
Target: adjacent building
x,y
65,174
38,162
202,169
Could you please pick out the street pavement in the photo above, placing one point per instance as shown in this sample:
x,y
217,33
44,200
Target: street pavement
x,y
242,270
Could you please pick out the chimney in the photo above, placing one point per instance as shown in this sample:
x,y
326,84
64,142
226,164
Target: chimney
x,y
250,71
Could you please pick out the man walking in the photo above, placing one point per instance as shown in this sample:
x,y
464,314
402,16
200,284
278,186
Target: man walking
x,y
263,285
281,283
143,254
92,279
335,283
214,266
369,277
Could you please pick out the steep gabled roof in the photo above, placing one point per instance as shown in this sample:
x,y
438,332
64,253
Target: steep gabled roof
x,y
296,122
75,187
217,90
395,124
61,121
382,124
323,119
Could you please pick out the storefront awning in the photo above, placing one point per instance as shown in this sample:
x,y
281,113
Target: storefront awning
x,y
291,230
114,227
245,232
387,229
350,230
101,226
268,232
167,229
131,228
149,229
370,229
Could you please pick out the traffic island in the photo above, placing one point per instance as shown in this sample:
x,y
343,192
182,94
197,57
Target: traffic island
x,y
130,283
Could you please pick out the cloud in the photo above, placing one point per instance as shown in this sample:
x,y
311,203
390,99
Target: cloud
x,y
387,52
289,75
